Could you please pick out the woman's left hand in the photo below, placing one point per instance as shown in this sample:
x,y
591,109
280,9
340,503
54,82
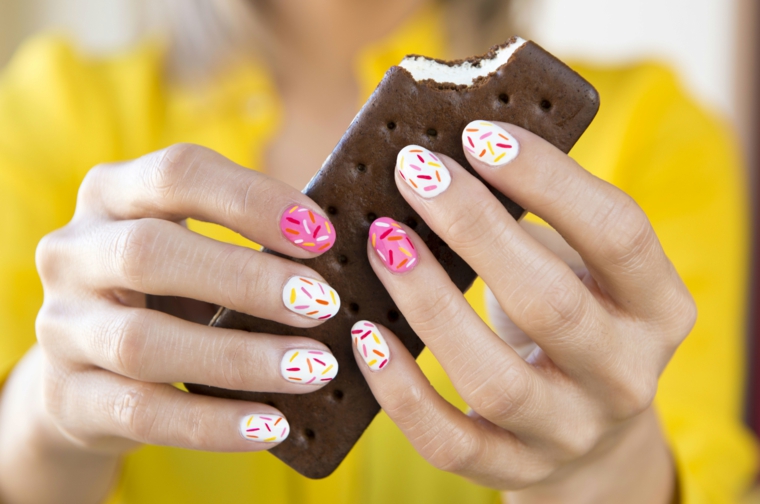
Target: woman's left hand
x,y
572,422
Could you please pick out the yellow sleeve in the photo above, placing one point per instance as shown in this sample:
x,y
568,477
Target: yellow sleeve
x,y
683,167
60,114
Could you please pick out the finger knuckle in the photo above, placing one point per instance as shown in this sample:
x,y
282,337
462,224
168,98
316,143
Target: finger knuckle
x,y
92,184
560,307
632,395
124,342
251,279
239,358
474,228
132,413
134,250
504,396
457,453
48,256
442,309
626,235
575,443
57,392
166,173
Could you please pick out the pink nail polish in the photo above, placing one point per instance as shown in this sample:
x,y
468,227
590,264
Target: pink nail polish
x,y
307,229
392,245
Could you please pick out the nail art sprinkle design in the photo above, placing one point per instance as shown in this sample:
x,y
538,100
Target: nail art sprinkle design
x,y
422,171
393,245
308,366
265,428
489,143
311,298
307,229
371,344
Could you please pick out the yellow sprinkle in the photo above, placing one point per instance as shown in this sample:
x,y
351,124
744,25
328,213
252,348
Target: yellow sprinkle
x,y
292,296
485,124
270,439
328,368
293,209
376,339
250,419
490,148
373,361
373,239
434,164
327,226
499,157
294,356
332,295
406,252
308,244
395,225
401,165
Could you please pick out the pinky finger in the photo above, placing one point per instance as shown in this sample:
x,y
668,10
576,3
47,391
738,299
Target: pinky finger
x,y
106,411
443,435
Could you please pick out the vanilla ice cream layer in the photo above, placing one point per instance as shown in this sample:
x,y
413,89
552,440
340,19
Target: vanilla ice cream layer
x,y
465,73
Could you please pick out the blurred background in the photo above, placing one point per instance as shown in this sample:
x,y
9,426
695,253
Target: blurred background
x,y
712,44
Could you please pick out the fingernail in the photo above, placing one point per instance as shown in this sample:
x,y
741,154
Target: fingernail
x,y
371,345
308,366
393,245
307,229
311,298
422,171
265,428
490,143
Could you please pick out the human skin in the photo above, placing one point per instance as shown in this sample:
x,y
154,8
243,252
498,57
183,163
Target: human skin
x,y
95,386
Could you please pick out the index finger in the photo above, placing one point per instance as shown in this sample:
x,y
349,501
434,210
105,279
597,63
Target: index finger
x,y
186,180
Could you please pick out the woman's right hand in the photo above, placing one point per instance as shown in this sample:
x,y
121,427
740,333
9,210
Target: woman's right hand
x,y
108,361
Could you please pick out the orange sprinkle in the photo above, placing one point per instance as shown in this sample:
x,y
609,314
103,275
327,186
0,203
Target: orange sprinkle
x,y
311,216
415,150
308,361
292,231
278,421
482,153
471,129
293,378
309,244
378,352
401,264
438,175
395,238
412,182
373,239
324,246
304,280
313,312
505,138
323,302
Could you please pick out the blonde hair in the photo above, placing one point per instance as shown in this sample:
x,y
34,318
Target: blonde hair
x,y
205,35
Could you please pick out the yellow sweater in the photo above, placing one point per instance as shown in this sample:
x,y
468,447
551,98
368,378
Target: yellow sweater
x,y
62,113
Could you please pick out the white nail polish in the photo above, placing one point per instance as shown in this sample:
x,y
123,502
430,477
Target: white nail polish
x,y
311,298
371,345
308,366
264,428
489,143
422,171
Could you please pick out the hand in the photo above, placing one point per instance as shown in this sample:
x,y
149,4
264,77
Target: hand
x,y
108,360
572,422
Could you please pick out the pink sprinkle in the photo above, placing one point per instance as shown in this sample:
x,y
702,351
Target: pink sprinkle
x,y
306,292
364,347
415,167
471,142
326,379
317,360
320,288
367,324
356,331
294,369
422,160
366,334
266,418
312,379
472,151
486,135
314,352
267,426
430,187
383,363
252,430
301,307
283,432
433,156
325,317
